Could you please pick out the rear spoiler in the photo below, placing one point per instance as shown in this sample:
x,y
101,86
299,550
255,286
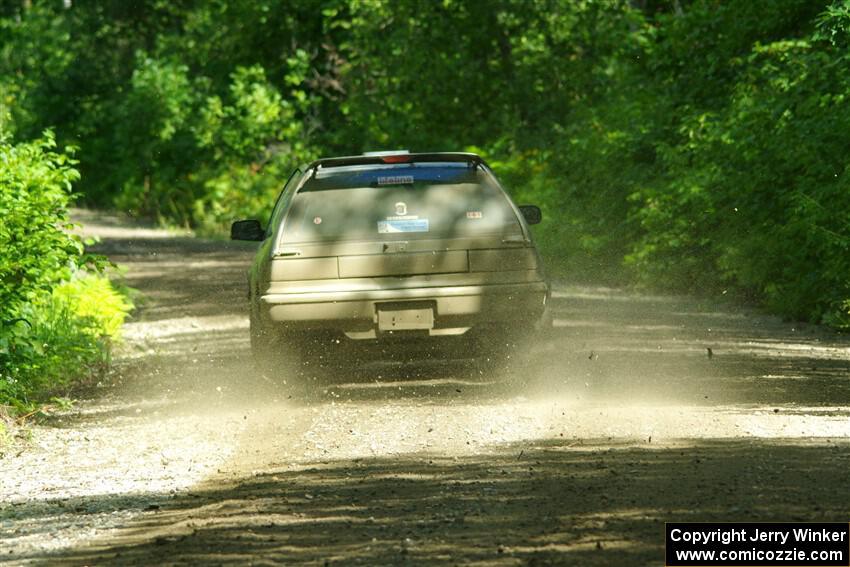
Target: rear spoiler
x,y
473,160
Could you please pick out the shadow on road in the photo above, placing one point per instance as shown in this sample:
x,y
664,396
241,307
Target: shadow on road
x,y
579,502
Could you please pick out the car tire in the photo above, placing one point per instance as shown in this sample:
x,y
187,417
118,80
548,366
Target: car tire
x,y
275,358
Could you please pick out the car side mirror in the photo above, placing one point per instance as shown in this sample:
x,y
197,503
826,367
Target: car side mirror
x,y
247,230
532,213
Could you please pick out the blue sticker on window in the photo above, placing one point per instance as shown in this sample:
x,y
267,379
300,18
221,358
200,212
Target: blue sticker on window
x,y
405,225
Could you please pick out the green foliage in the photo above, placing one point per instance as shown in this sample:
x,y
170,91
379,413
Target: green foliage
x,y
68,336
37,250
55,322
692,145
95,302
255,141
756,193
187,155
35,51
834,24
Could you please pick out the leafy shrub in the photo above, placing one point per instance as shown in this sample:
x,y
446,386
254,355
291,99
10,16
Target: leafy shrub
x,y
94,302
186,155
245,134
56,321
67,337
37,250
754,197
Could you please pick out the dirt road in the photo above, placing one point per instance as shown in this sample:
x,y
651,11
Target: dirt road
x,y
621,422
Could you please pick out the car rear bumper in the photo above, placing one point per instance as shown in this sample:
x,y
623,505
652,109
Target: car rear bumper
x,y
455,307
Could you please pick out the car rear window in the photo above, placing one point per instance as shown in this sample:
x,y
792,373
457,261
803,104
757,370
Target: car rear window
x,y
413,201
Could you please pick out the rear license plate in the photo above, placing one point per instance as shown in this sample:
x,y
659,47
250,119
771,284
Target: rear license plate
x,y
405,319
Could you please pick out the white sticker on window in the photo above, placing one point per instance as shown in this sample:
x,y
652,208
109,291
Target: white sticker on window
x,y
406,225
474,215
396,180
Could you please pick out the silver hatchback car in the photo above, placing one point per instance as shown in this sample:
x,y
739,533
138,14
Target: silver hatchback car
x,y
393,245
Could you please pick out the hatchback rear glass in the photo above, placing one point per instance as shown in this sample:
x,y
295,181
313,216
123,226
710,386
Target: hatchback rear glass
x,y
413,201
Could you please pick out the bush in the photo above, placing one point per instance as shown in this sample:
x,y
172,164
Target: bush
x,y
754,195
56,319
37,250
67,338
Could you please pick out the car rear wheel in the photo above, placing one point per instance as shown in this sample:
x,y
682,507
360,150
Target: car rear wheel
x,y
293,357
276,357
